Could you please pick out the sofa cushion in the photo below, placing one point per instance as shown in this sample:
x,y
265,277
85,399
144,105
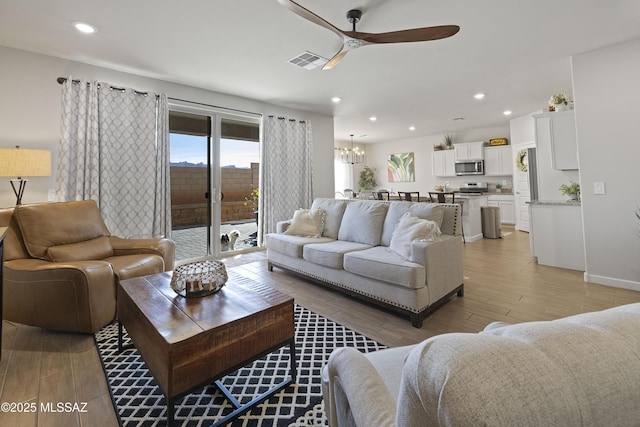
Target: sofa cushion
x,y
333,209
330,254
290,245
395,212
380,263
431,211
578,370
411,228
94,249
362,222
51,224
306,223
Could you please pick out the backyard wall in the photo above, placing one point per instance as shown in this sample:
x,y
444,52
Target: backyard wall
x,y
188,188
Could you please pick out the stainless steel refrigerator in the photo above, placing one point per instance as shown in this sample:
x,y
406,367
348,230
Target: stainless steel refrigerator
x,y
532,170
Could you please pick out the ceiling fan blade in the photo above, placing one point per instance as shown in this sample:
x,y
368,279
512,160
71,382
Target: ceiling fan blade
x,y
336,58
405,36
310,16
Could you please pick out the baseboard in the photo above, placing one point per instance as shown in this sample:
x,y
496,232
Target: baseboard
x,y
475,237
612,281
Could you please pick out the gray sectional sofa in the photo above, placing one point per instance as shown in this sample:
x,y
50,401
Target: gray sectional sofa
x,y
582,370
353,253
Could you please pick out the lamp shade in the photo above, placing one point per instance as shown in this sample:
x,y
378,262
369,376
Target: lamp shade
x,y
19,162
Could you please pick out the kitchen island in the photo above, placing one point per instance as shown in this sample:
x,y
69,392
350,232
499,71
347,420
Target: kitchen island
x,y
471,215
556,237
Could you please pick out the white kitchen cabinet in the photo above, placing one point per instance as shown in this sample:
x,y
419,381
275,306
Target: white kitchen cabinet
x,y
469,151
559,130
507,206
443,163
498,161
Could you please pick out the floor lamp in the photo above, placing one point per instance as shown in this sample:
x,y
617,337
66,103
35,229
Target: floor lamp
x,y
18,162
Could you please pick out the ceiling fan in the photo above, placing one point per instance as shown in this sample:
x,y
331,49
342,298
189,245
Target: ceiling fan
x,y
354,39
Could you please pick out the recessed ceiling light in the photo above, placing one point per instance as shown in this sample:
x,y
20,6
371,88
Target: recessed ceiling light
x,y
84,28
412,128
336,99
373,118
478,95
507,112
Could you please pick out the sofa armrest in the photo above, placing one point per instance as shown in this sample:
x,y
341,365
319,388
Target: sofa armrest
x,y
442,258
495,325
354,392
281,226
166,248
75,296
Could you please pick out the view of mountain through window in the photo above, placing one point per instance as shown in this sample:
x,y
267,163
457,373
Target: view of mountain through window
x,y
187,150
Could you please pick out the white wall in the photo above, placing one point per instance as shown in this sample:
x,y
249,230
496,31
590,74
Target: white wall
x,y
422,148
607,94
30,113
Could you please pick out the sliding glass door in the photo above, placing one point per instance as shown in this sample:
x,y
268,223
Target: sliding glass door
x,y
214,181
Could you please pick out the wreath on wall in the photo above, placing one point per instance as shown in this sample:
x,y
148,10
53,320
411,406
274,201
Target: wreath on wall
x,y
520,164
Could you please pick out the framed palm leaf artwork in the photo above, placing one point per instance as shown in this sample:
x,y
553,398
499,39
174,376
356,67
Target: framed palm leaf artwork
x,y
401,167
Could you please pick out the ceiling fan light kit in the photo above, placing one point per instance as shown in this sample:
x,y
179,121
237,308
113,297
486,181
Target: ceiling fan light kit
x,y
355,39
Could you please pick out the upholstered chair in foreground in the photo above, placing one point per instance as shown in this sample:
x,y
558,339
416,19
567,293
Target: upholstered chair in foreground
x,y
62,265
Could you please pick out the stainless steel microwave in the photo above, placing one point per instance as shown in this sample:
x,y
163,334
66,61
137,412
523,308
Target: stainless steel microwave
x,y
475,167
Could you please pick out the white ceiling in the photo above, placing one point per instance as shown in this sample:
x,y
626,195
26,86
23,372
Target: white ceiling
x,y
515,51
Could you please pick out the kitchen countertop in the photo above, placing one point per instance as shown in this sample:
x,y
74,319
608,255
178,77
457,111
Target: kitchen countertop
x,y
555,202
485,193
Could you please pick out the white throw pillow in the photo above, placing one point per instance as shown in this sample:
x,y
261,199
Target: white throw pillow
x,y
411,228
306,223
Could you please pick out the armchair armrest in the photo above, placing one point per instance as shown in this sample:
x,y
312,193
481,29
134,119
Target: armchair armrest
x,y
75,296
166,248
354,393
442,258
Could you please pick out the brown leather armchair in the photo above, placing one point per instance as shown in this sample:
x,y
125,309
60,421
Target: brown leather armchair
x,y
62,265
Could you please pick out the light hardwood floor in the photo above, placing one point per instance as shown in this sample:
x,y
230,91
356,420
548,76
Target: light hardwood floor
x,y
502,282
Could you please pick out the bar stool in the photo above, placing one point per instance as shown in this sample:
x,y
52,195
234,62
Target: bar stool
x,y
382,195
409,196
441,196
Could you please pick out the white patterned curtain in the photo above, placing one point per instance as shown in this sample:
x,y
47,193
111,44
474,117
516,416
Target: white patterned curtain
x,y
285,171
114,150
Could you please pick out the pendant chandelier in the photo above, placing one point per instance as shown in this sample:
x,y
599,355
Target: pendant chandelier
x,y
351,155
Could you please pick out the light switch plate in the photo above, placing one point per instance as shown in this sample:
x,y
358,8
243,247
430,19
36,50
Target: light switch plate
x,y
599,188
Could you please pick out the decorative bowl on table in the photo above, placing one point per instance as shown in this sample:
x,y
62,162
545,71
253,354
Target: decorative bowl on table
x,y
439,187
199,278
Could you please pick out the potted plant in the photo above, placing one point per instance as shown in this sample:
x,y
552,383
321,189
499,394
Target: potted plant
x,y
572,190
367,179
559,101
252,200
448,142
498,188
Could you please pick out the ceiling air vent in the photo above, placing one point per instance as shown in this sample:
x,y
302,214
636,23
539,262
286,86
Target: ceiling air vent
x,y
308,61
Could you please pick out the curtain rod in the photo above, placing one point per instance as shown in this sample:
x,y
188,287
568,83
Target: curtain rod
x,y
284,118
61,80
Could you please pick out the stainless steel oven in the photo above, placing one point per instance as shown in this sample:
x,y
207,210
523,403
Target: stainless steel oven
x,y
474,167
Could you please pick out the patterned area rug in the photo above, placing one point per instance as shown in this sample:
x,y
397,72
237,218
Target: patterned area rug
x,y
139,401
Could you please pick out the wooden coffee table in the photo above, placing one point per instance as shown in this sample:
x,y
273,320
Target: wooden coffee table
x,y
188,343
